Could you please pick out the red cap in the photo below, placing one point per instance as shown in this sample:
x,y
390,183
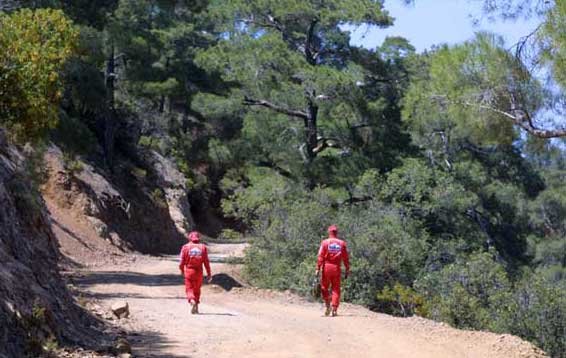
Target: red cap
x,y
333,228
194,236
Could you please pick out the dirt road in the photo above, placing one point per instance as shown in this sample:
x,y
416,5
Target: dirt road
x,y
245,322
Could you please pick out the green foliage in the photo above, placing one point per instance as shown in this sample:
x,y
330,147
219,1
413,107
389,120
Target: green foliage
x,y
219,153
139,173
158,198
149,142
330,13
92,13
384,247
553,42
538,313
264,51
550,258
465,90
85,87
73,136
40,339
160,40
513,9
35,168
252,200
230,235
275,118
549,210
547,213
286,244
485,86
25,185
73,165
419,187
27,199
401,300
34,45
467,293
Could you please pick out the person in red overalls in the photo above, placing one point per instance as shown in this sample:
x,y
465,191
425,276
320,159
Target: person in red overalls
x,y
331,254
193,256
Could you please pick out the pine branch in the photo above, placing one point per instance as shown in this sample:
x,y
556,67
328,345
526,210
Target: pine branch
x,y
279,109
269,23
518,116
523,120
325,143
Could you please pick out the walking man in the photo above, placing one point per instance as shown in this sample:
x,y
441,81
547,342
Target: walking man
x,y
331,254
193,256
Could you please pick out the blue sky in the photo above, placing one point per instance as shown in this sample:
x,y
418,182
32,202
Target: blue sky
x,y
432,22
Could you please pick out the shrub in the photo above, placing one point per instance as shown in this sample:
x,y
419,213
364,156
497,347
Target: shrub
x,y
40,339
149,142
401,301
73,165
467,293
229,234
34,164
27,199
158,198
139,173
538,313
73,136
34,45
385,247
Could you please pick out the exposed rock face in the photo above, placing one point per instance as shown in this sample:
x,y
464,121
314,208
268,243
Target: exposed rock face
x,y
100,227
35,305
122,207
86,191
173,183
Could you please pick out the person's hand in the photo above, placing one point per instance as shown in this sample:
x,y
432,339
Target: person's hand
x,y
209,278
317,272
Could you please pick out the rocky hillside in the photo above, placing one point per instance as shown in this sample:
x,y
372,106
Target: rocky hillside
x,y
141,206
82,215
36,309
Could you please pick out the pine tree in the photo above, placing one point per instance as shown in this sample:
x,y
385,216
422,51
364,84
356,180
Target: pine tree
x,y
298,79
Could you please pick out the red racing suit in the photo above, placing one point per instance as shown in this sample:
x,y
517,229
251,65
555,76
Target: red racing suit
x,y
331,254
193,256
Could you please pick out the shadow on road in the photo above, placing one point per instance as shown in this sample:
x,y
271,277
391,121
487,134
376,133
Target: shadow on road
x,y
125,295
151,344
351,315
225,281
128,278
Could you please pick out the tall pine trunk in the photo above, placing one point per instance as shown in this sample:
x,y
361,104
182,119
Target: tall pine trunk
x,y
109,117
